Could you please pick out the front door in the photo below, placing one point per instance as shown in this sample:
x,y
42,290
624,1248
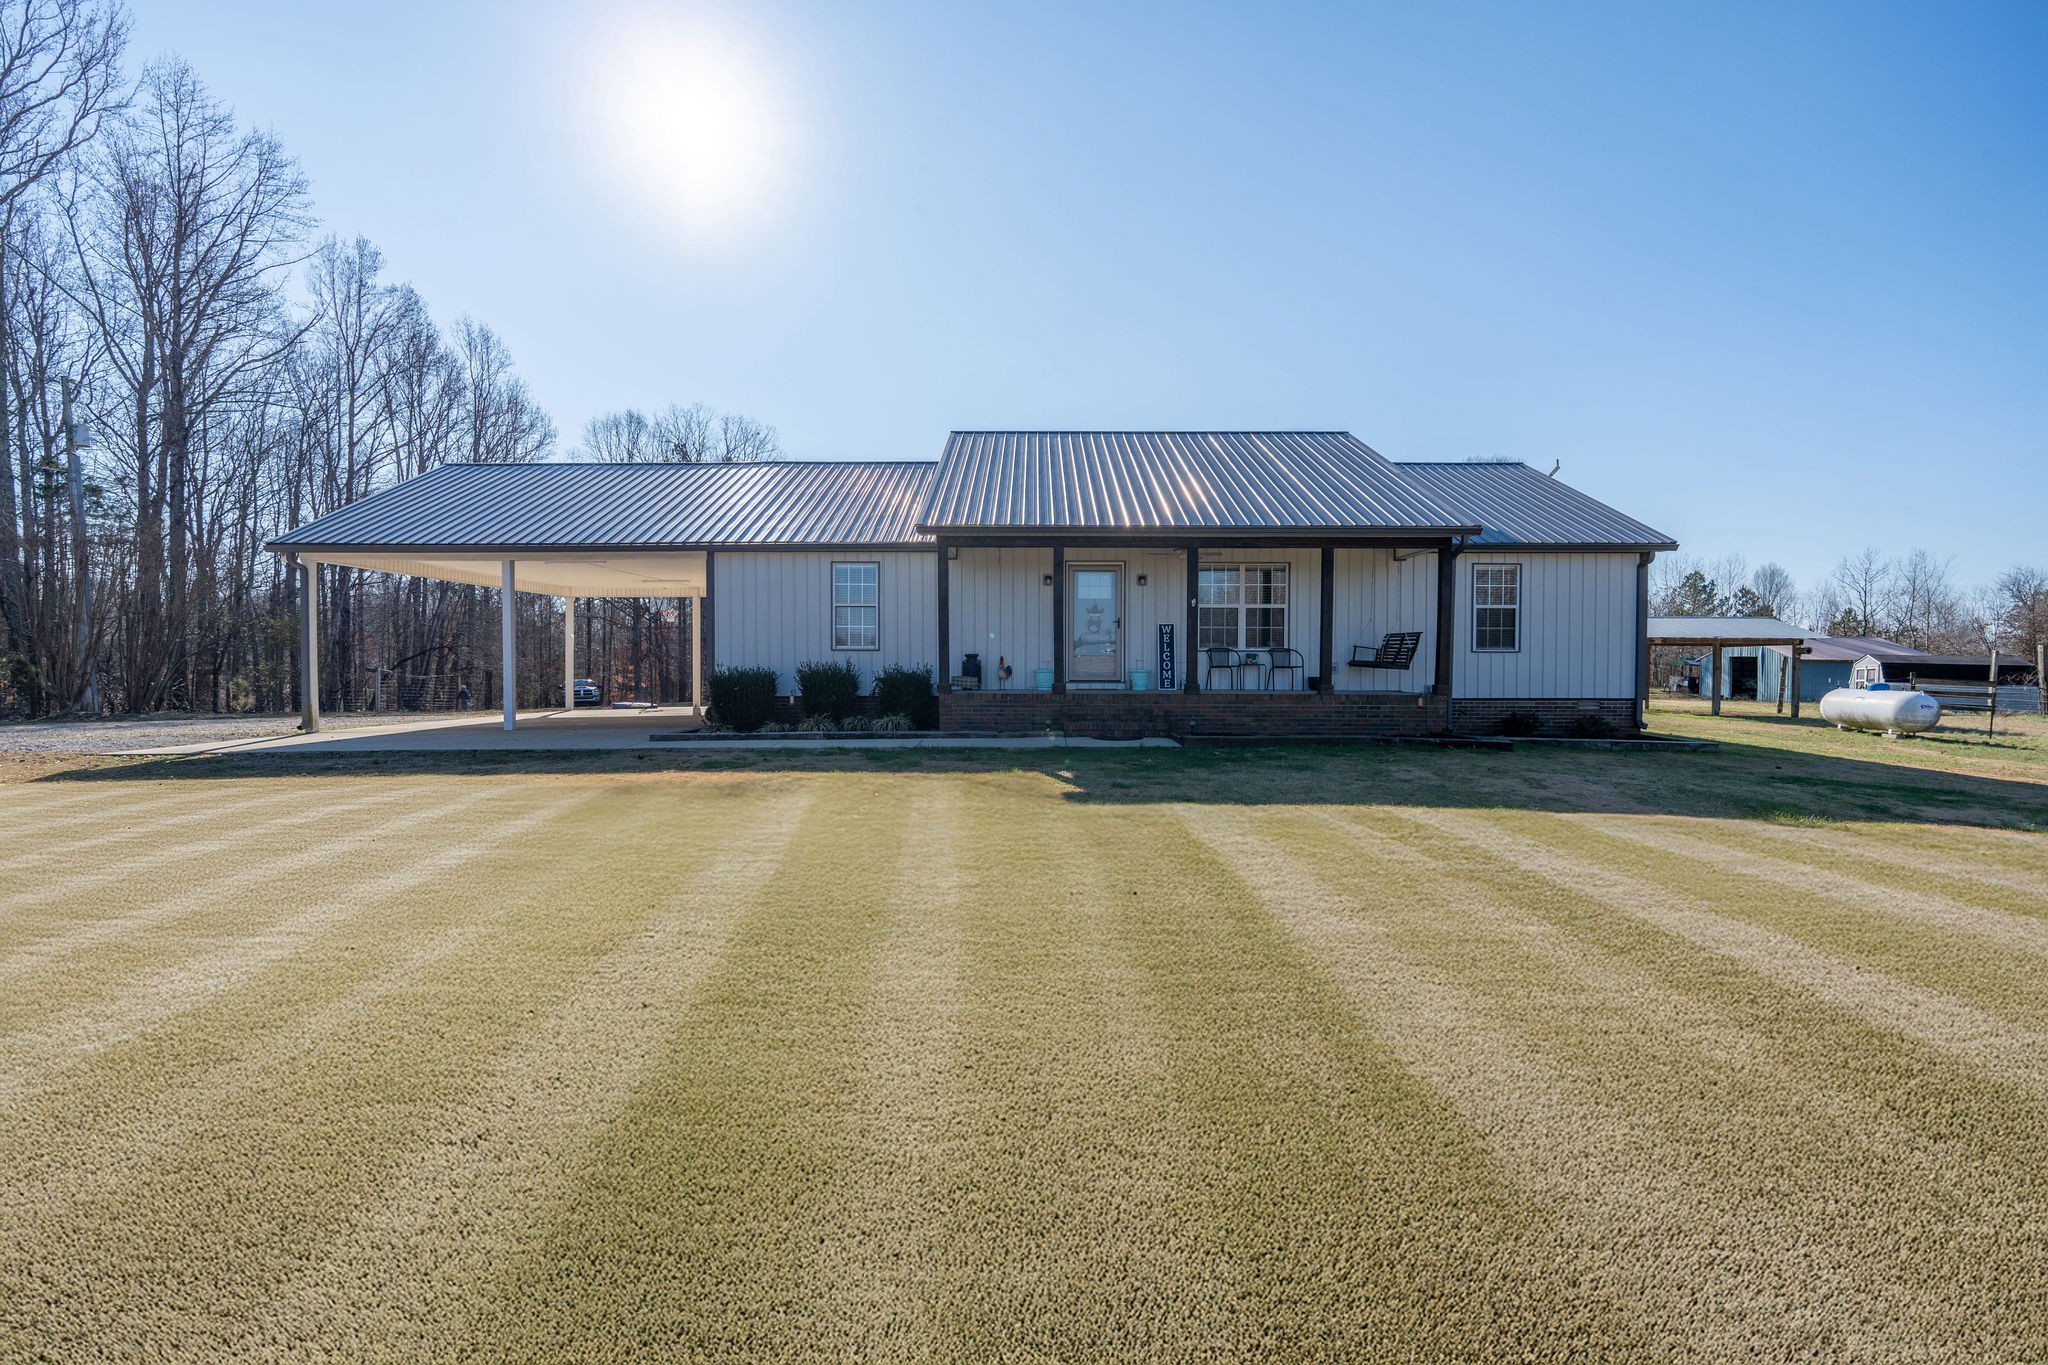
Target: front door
x,y
1095,651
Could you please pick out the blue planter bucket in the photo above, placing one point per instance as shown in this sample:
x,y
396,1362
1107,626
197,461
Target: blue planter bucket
x,y
1141,680
1041,678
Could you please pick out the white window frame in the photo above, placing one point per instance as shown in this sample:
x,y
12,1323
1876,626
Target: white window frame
x,y
1239,602
873,608
1514,608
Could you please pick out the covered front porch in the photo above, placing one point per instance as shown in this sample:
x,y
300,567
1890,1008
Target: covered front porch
x,y
1088,618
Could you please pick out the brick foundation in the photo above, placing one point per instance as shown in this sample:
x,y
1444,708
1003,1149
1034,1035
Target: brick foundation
x,y
1554,715
1136,715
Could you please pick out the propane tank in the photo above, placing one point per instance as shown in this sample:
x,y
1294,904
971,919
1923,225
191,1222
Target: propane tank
x,y
1866,708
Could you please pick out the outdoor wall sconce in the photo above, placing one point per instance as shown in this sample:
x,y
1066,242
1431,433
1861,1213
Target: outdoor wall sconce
x,y
1142,580
1048,580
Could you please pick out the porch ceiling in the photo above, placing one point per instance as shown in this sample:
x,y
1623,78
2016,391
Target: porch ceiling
x,y
611,573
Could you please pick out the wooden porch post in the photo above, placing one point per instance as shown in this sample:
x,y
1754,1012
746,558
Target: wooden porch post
x,y
1446,617
944,682
1059,618
1715,687
1326,640
1797,650
1193,682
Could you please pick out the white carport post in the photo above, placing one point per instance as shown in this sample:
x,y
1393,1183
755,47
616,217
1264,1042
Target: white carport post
x,y
568,654
697,656
508,642
309,645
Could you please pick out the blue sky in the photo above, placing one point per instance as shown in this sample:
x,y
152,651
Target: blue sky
x,y
1774,279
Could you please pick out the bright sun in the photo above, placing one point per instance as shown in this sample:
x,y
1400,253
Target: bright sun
x,y
689,120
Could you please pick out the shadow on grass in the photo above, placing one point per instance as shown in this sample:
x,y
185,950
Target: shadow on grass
x,y
1741,780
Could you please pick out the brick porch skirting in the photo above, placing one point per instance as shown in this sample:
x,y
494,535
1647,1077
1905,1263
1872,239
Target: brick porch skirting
x,y
1136,715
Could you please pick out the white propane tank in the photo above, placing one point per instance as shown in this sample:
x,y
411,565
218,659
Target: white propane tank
x,y
1870,708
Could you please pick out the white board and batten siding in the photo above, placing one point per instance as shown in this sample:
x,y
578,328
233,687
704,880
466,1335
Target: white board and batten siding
x,y
1375,595
1578,635
773,609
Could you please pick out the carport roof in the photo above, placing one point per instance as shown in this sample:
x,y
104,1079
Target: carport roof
x,y
505,508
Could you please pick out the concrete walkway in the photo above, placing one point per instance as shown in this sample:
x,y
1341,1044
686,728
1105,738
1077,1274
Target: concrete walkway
x,y
591,730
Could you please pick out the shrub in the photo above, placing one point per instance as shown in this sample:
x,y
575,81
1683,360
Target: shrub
x,y
743,698
893,723
815,725
1520,723
1592,725
907,692
829,688
776,727
857,725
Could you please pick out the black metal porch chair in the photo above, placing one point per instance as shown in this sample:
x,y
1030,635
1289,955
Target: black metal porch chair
x,y
1216,657
1281,660
1396,651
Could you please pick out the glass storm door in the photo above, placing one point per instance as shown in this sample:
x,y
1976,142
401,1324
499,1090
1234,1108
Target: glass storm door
x,y
1095,652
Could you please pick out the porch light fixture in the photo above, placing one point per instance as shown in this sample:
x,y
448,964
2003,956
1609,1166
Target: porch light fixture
x,y
1048,580
1142,580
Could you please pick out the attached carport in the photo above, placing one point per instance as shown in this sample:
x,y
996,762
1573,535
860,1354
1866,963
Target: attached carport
x,y
597,530
552,573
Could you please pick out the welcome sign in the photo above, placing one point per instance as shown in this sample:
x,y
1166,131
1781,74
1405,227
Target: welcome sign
x,y
1165,674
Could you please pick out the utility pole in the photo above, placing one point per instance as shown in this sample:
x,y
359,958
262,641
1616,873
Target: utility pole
x,y
81,562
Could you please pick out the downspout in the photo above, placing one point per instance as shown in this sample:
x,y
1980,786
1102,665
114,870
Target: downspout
x,y
1643,639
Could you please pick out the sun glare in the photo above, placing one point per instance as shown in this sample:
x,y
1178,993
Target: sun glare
x,y
689,121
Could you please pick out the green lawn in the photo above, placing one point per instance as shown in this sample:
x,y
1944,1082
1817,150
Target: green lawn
x,y
1282,1054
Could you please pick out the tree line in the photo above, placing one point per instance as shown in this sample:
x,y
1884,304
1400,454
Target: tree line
x,y
1912,599
189,365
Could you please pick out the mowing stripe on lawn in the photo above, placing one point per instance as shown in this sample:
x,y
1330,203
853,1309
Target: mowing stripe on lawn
x,y
1067,1230
1932,954
35,853
140,878
467,1204
1713,1113
32,1057
882,1280
692,1226
1368,1218
1943,871
350,1113
1998,1046
2015,931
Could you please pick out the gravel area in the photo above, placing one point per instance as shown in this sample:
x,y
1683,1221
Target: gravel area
x,y
122,734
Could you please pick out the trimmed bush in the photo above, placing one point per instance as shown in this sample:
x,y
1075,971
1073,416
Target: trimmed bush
x,y
1592,725
903,691
828,688
743,698
1520,724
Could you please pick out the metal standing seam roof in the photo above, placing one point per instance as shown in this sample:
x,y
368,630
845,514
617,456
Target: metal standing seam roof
x,y
1284,481
1516,505
633,506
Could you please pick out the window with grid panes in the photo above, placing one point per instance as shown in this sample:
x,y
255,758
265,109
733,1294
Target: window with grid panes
x,y
856,606
1496,606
